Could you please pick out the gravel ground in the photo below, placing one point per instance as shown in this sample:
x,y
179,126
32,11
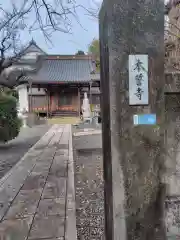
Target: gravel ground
x,y
89,187
14,150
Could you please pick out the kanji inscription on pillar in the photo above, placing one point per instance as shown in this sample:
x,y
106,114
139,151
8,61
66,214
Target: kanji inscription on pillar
x,y
138,80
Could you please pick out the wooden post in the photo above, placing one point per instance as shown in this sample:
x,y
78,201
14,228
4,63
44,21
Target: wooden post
x,y
79,101
47,102
31,110
90,95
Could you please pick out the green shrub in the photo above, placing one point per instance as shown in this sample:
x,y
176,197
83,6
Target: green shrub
x,y
9,122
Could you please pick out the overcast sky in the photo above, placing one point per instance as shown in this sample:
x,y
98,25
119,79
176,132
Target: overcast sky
x,y
69,43
63,43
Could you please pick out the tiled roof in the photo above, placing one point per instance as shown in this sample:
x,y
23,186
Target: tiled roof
x,y
56,69
32,47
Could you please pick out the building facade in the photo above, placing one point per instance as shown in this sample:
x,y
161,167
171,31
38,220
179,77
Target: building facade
x,y
57,83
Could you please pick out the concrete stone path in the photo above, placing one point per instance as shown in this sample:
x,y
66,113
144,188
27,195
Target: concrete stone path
x,y
37,199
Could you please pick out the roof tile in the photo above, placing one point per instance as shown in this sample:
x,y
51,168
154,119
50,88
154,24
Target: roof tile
x,y
64,70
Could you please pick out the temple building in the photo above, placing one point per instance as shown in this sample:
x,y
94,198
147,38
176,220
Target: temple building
x,y
57,83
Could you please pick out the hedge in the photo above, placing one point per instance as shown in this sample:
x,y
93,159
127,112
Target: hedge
x,y
9,122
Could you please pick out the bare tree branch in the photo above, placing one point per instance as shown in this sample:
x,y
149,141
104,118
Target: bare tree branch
x,y
48,17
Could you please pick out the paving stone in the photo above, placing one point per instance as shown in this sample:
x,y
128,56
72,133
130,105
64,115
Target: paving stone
x,y
15,229
22,209
48,153
35,152
6,198
63,146
45,167
59,238
59,167
54,141
40,169
62,152
41,146
50,207
24,195
65,137
34,182
48,227
40,173
44,163
55,187
25,204
60,159
7,195
58,171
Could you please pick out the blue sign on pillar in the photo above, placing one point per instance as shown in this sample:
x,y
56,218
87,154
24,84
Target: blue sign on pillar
x,y
144,119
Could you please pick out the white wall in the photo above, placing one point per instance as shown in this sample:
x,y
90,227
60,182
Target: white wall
x,y
23,97
36,91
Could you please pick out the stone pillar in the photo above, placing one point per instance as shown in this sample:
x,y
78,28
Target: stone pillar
x,y
133,155
23,97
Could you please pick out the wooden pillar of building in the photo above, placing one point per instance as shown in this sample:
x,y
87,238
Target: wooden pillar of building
x,y
79,101
47,102
30,98
90,94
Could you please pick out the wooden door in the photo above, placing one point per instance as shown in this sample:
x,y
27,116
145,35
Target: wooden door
x,y
65,99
